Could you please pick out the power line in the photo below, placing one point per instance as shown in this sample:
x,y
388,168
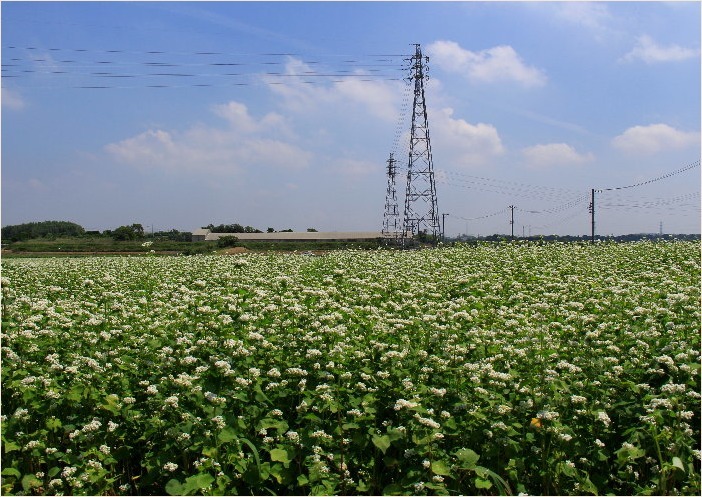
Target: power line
x,y
526,191
481,217
76,70
495,180
667,175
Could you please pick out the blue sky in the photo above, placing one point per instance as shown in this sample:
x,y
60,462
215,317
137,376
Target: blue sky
x,y
283,114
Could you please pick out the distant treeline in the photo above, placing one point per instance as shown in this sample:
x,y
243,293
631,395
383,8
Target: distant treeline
x,y
43,229
231,228
65,229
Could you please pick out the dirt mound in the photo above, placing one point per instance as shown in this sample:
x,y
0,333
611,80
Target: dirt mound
x,y
235,250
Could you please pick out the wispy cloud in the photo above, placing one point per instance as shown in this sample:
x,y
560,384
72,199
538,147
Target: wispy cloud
x,y
501,63
12,100
594,17
554,155
649,51
654,138
379,98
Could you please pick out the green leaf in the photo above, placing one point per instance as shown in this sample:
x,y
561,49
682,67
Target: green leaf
x,y
677,463
587,486
566,469
482,483
278,424
260,396
468,457
280,455
11,472
53,423
362,487
209,452
382,442
173,487
395,434
393,489
10,446
197,482
439,468
227,434
30,481
255,453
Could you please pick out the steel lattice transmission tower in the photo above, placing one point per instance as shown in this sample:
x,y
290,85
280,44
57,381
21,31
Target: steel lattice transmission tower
x,y
421,210
391,218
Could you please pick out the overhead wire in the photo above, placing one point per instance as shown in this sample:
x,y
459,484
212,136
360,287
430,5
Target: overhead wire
x,y
250,67
659,178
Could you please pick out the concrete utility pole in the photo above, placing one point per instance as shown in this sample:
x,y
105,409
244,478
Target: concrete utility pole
x,y
511,222
592,213
443,226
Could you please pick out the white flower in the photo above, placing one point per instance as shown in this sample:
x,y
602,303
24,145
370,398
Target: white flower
x,y
402,403
219,422
170,466
427,422
602,416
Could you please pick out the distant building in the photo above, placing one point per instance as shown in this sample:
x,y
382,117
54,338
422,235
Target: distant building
x,y
199,235
294,236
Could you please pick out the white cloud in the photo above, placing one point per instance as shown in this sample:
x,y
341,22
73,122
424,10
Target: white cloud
x,y
12,99
237,114
647,140
649,51
377,97
593,16
553,155
245,143
501,63
353,168
467,144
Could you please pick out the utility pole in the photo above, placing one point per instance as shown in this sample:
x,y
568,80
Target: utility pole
x,y
511,222
443,226
421,210
592,213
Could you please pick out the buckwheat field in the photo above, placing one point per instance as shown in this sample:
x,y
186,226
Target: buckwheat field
x,y
488,369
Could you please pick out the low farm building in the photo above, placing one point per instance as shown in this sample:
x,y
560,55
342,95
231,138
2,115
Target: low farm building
x,y
294,236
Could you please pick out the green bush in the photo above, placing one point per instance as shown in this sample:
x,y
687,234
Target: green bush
x,y
227,241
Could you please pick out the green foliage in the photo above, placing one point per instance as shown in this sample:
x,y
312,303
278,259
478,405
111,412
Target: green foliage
x,y
231,228
133,232
227,241
28,231
561,369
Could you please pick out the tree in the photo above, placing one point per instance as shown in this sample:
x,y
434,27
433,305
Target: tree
x,y
270,230
227,241
311,230
51,229
133,232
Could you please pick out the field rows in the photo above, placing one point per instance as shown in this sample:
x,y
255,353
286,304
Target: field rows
x,y
491,369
